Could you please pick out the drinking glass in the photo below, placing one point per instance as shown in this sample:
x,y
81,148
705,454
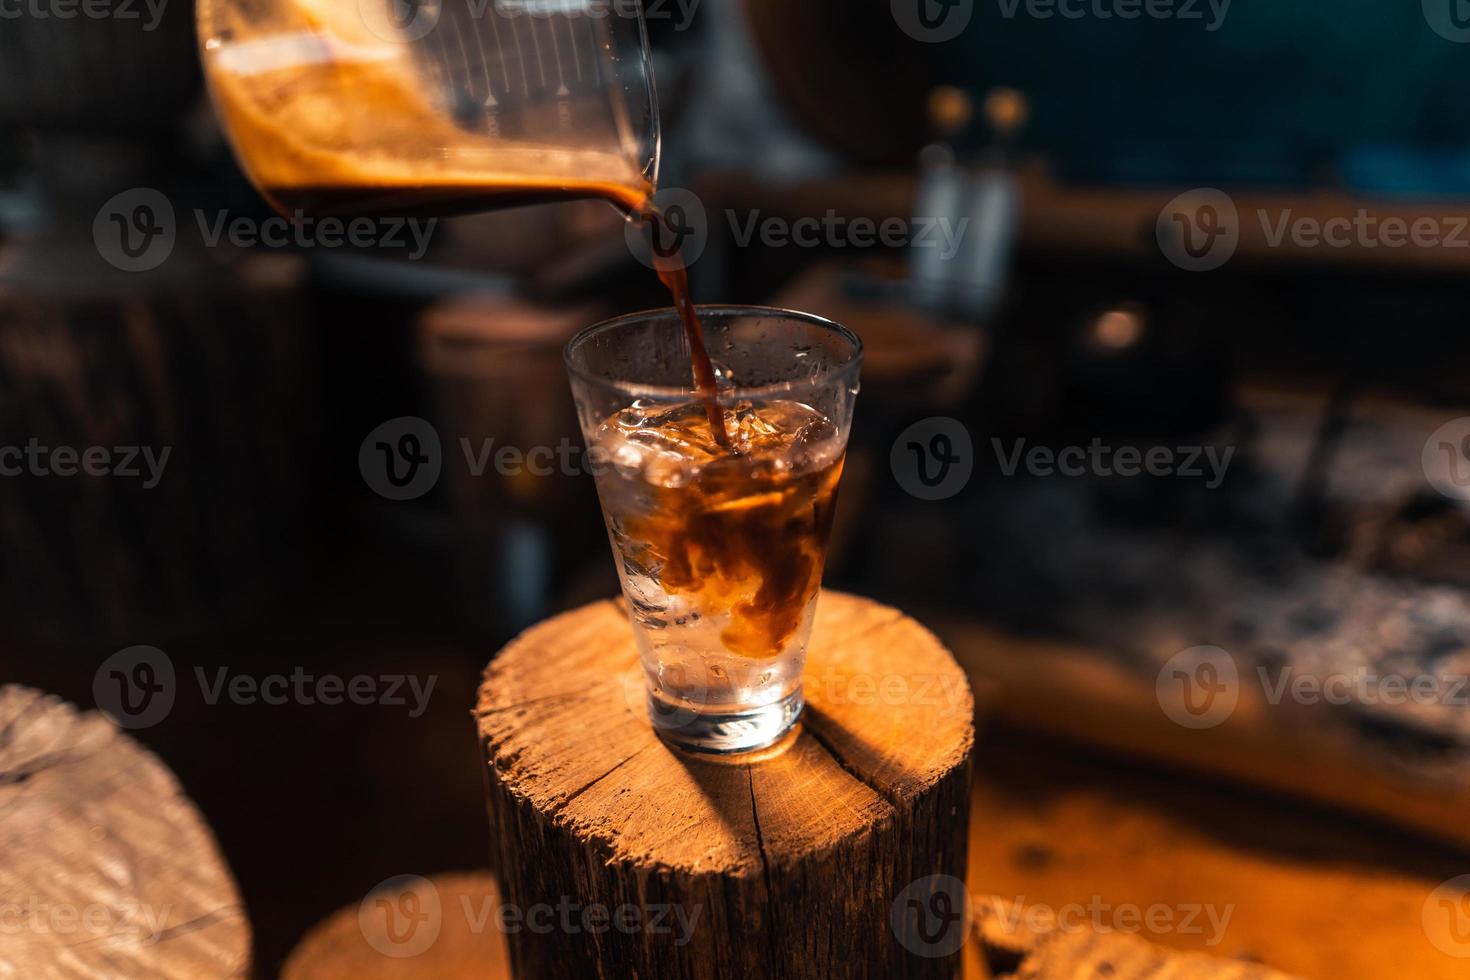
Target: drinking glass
x,y
720,551
377,107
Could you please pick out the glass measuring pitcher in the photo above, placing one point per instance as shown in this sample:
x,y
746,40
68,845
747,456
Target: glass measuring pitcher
x,y
434,106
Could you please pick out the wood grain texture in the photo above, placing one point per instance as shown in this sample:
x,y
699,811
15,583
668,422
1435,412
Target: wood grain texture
x,y
783,864
1305,889
1013,950
466,943
108,870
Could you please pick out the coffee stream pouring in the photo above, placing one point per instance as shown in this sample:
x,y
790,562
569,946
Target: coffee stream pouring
x,y
379,107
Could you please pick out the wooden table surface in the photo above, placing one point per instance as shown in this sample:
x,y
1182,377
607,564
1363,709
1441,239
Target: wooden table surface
x,y
1308,891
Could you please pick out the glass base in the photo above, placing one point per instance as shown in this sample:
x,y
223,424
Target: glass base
x,y
724,733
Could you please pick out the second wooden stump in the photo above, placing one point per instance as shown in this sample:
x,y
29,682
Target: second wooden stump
x,y
621,857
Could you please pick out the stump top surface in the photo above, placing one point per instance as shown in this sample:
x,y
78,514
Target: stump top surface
x,y
889,713
112,869
456,937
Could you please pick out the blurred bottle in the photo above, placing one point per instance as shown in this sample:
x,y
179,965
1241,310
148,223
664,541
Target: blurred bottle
x,y
967,211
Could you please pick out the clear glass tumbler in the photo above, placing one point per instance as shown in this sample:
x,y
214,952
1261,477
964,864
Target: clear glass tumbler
x,y
720,551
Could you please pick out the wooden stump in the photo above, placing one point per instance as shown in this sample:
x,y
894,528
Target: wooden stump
x,y
624,858
461,940
106,868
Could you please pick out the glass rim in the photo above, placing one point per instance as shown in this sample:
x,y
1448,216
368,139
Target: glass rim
x,y
851,366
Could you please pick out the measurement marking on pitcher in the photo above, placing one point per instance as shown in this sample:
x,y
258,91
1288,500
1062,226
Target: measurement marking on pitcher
x,y
521,59
500,50
464,58
489,103
540,61
561,75
576,55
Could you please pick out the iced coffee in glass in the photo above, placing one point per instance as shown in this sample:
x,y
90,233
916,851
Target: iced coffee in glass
x,y
720,536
